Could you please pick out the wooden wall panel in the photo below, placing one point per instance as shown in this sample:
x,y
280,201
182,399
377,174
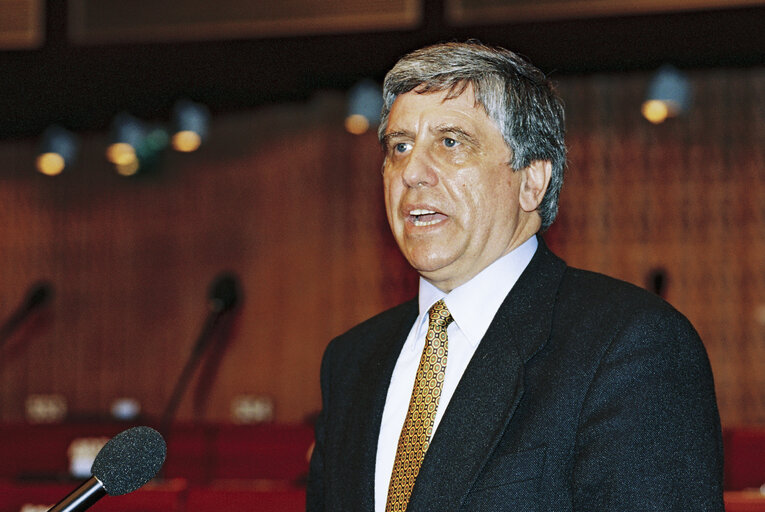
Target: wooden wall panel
x,y
284,198
99,21
686,196
472,12
291,203
22,24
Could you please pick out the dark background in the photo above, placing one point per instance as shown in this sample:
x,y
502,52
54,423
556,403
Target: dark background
x,y
83,86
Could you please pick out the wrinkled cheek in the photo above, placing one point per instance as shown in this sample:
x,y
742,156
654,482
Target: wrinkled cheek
x,y
388,198
390,209
393,193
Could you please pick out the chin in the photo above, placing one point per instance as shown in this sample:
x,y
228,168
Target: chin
x,y
428,257
427,266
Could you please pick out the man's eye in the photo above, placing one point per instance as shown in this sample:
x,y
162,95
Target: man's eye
x,y
449,142
401,147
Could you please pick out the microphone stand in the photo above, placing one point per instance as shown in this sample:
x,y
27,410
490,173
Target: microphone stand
x,y
208,330
11,324
224,296
37,296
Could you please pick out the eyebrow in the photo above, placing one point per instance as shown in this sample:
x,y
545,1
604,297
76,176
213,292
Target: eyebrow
x,y
393,135
442,129
450,128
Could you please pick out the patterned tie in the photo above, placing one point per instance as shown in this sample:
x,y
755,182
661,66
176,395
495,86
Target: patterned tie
x,y
418,426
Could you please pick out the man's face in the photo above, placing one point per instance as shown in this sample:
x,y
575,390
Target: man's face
x,y
451,196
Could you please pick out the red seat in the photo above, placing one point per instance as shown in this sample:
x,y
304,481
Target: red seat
x,y
273,452
165,497
250,498
199,453
189,455
41,451
744,458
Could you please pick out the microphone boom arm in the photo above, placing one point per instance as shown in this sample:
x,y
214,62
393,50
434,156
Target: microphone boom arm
x,y
188,370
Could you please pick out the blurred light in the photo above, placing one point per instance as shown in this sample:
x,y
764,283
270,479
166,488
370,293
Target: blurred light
x,y
655,111
356,124
364,106
191,123
127,134
125,409
50,164
121,153
186,141
58,150
669,95
155,141
45,408
82,453
252,409
136,146
128,168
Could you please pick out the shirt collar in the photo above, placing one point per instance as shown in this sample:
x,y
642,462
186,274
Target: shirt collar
x,y
474,304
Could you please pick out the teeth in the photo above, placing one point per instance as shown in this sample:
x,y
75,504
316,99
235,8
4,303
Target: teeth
x,y
417,215
428,223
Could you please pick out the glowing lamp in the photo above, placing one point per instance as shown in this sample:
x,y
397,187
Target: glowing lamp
x,y
669,95
127,132
58,150
364,106
191,123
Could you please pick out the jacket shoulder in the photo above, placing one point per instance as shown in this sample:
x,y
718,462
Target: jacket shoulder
x,y
600,290
592,300
359,338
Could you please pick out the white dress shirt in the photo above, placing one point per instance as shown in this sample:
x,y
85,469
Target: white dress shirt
x,y
473,306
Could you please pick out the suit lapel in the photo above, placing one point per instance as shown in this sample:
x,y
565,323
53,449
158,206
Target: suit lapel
x,y
490,388
369,401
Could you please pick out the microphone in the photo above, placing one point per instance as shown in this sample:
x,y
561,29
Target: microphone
x,y
224,293
657,281
36,297
222,297
124,464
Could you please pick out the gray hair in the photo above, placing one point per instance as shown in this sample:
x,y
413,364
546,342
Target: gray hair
x,y
514,93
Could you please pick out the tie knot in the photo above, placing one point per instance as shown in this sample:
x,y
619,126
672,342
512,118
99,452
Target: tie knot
x,y
439,315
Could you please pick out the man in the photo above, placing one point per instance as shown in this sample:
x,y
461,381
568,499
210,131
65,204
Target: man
x,y
513,382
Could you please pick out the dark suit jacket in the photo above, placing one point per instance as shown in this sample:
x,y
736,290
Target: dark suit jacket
x,y
586,393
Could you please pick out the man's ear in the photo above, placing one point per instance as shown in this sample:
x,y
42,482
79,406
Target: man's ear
x,y
534,181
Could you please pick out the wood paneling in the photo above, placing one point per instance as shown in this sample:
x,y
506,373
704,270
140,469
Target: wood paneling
x,y
467,12
283,197
292,204
21,24
686,196
98,21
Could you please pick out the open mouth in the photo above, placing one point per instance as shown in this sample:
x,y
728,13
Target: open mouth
x,y
422,217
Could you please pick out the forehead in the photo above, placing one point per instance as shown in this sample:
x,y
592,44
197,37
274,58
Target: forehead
x,y
415,111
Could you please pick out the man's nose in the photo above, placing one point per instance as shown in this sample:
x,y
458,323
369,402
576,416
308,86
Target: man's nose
x,y
419,170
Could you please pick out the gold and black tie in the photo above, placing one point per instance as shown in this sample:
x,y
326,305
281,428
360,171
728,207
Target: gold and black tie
x,y
418,426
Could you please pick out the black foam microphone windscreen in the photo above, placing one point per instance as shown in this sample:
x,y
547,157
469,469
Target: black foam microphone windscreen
x,y
38,295
125,463
129,460
224,293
